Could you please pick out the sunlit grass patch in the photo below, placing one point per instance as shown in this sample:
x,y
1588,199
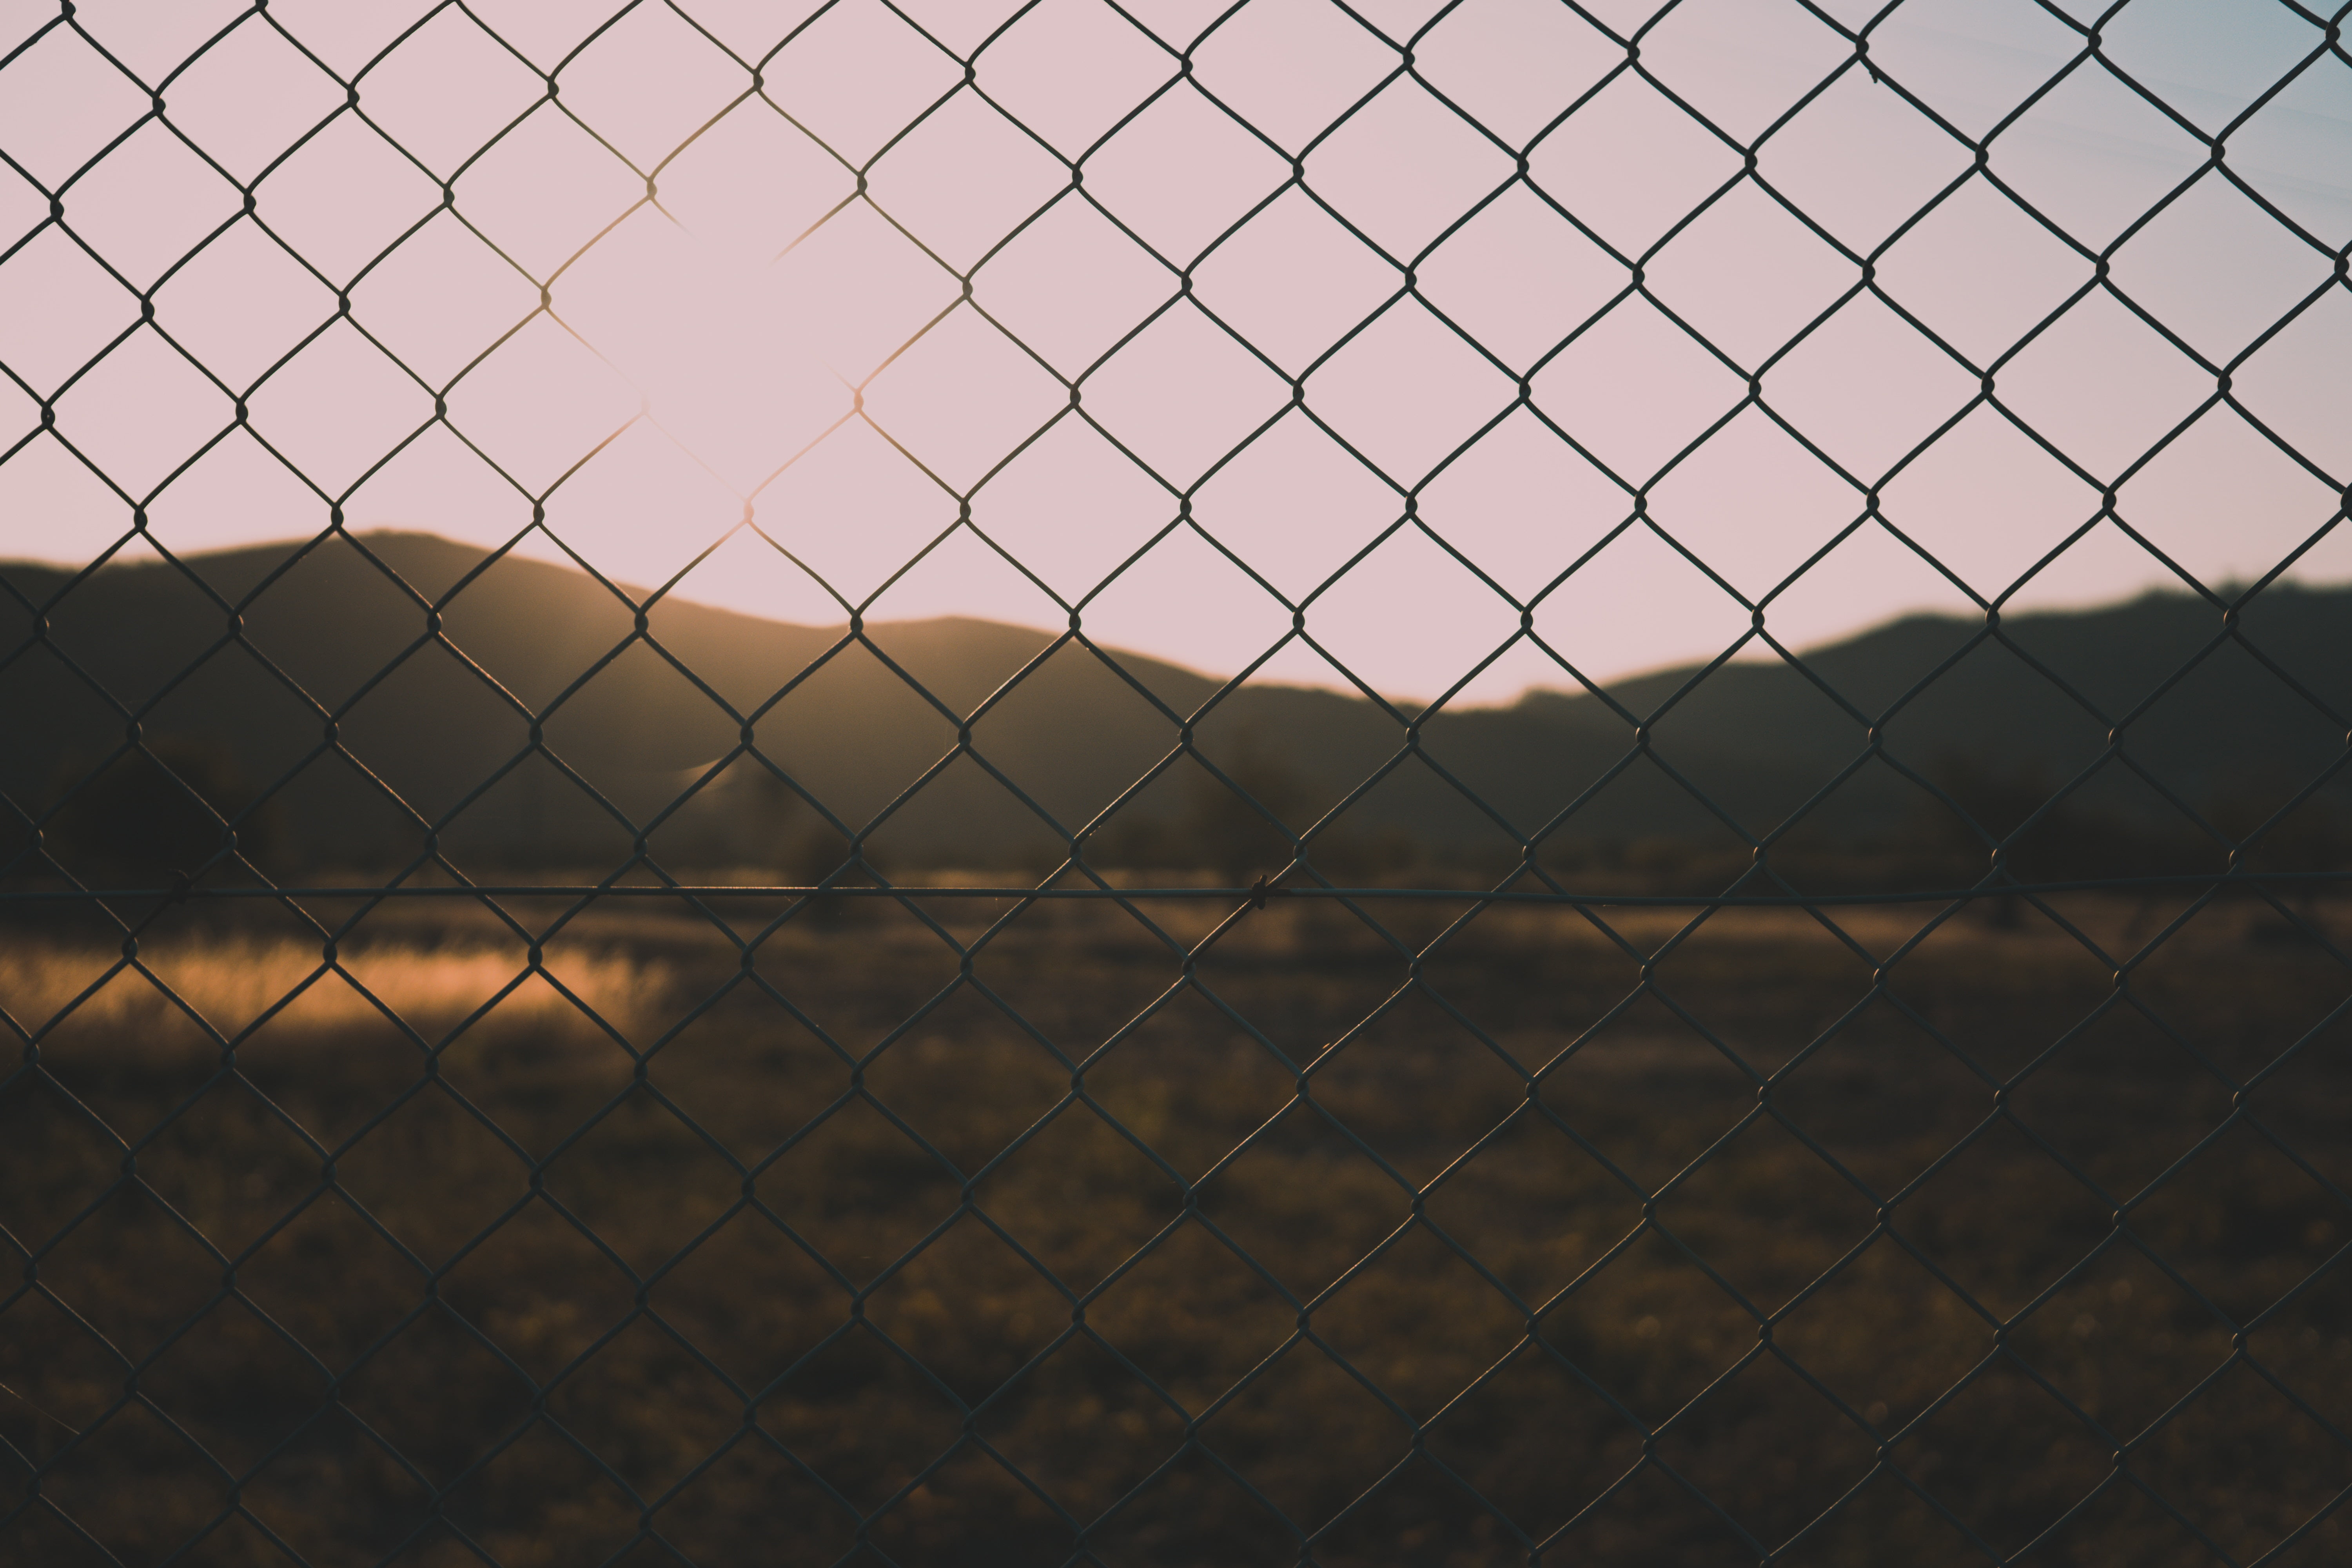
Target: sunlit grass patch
x,y
231,981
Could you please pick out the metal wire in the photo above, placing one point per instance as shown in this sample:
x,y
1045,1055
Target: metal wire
x,y
329,913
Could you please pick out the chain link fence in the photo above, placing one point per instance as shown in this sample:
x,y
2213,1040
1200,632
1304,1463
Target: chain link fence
x,y
1271,1178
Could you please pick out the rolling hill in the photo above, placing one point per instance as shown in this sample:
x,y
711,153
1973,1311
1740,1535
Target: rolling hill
x,y
374,701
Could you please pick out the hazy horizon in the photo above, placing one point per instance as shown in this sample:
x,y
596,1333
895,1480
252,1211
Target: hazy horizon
x,y
1564,685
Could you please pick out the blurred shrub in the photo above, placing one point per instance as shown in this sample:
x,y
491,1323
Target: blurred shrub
x,y
174,808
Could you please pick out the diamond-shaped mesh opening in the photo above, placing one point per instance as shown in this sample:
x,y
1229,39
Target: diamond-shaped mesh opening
x,y
1884,1335
1254,1198
185,1489
598,1405
1650,1508
2051,1458
1005,1315
2263,1222
599,1517
1644,1038
280,1386
1650,1330
898,782
1768,1165
899,1422
1726,1446
1255,1432
880,1193
441,1431
2001,1278
1192,1316
1080,1198
1084,1429
750,1500
539,1242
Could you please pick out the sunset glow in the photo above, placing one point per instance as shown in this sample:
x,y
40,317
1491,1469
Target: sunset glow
x,y
759,372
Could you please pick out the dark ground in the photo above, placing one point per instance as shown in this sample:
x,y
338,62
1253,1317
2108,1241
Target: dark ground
x,y
1311,1262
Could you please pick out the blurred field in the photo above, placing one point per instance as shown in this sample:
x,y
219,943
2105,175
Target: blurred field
x,y
856,1249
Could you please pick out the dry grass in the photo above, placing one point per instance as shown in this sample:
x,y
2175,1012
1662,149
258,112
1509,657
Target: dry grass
x,y
842,1286
230,981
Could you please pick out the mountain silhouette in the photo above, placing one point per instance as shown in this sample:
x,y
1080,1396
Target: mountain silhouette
x,y
363,699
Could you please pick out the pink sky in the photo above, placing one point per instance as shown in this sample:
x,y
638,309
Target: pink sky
x,y
758,339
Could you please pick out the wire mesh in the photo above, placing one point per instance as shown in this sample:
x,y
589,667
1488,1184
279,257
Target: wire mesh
x,y
254,1319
